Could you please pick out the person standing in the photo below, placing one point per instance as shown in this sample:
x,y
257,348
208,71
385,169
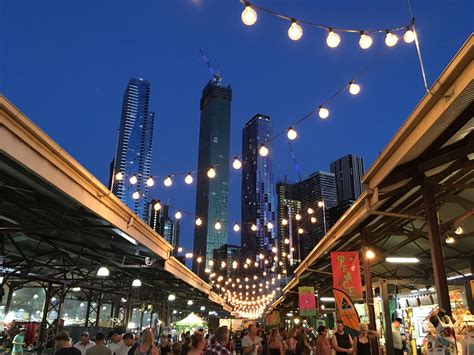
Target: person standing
x,y
99,348
198,344
275,343
397,336
63,342
165,345
362,341
84,344
221,338
18,342
251,342
238,343
341,341
147,344
117,345
130,342
323,347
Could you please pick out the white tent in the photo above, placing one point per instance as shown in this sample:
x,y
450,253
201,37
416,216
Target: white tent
x,y
192,320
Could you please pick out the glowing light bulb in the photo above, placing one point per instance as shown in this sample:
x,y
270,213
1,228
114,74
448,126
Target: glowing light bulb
x,y
300,231
218,225
211,173
291,134
136,195
157,206
369,254
248,261
249,15
253,227
150,182
365,41
236,227
323,112
211,262
178,215
199,259
274,250
450,240
391,39
237,164
354,88
333,39
188,179
263,151
168,182
320,204
297,216
310,210
119,176
198,221
234,264
409,35
313,219
270,225
459,230
295,32
133,180
287,241
223,265
180,249
284,221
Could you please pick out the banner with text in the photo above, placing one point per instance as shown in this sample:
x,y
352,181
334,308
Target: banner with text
x,y
307,301
346,273
346,311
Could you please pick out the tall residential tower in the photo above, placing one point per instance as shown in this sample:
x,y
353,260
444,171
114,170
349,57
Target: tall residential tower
x,y
348,171
134,148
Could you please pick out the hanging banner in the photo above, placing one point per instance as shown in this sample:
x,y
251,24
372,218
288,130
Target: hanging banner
x,y
273,319
346,311
307,301
346,273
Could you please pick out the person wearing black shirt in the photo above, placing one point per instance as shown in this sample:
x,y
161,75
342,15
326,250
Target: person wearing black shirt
x,y
341,341
129,340
64,344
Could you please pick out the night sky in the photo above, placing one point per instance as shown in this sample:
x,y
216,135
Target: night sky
x,y
66,63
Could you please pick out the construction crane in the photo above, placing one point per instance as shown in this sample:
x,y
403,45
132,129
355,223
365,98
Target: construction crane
x,y
295,162
216,76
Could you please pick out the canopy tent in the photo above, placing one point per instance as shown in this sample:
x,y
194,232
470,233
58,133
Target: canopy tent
x,y
192,320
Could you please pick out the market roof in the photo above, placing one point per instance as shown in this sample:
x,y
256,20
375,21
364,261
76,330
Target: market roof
x,y
434,147
59,223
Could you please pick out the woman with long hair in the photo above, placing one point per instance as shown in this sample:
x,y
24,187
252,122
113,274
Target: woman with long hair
x,y
147,344
362,341
275,344
291,342
198,344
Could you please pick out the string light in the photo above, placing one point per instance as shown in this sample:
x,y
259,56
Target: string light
x,y
188,179
211,173
323,112
168,182
150,182
234,264
178,215
223,264
365,41
236,227
270,225
199,259
300,231
133,180
249,15
218,225
354,88
237,164
310,210
284,221
295,32
297,216
253,228
409,35
119,176
263,151
198,221
333,39
136,195
391,39
157,206
313,220
291,134
189,255
180,249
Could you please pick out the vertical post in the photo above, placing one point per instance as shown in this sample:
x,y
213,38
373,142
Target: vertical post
x,y
470,289
11,289
387,319
437,259
369,293
99,308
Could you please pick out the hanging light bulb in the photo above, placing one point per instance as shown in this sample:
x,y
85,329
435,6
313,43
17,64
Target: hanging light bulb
x,y
157,206
237,164
119,176
180,249
409,35
234,264
323,112
168,182
261,256
136,283
295,32
297,216
178,215
103,271
150,182
310,210
188,179
391,39
249,15
198,221
313,219
211,262
199,259
354,88
263,151
253,227
270,225
333,39
248,261
211,173
284,221
291,134
133,180
136,195
300,231
365,41
218,225
223,265
274,250
236,227
287,241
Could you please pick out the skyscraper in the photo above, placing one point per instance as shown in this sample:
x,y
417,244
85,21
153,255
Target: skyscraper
x,y
160,221
134,148
230,254
212,194
258,194
348,171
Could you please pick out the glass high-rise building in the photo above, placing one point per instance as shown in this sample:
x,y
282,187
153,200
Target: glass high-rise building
x,y
212,194
348,171
160,221
134,148
258,190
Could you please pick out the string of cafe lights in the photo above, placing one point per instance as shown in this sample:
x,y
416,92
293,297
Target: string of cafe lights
x,y
295,31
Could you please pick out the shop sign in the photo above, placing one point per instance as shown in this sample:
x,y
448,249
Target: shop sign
x,y
307,301
346,273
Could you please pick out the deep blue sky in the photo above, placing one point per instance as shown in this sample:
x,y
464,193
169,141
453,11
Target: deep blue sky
x,y
65,64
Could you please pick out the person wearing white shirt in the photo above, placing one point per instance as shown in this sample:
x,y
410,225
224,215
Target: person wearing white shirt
x,y
117,345
84,344
251,343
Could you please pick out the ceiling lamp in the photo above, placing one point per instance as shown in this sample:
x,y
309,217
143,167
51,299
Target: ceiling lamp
x,y
103,271
136,283
171,297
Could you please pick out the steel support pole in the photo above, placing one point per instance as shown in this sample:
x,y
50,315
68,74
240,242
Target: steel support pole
x,y
369,293
437,258
11,289
387,319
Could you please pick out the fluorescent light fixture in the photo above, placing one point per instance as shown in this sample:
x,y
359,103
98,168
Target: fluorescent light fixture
x,y
458,276
125,236
398,260
327,299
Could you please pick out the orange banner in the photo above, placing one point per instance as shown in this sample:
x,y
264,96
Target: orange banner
x,y
346,273
346,311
